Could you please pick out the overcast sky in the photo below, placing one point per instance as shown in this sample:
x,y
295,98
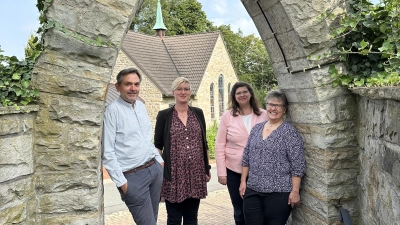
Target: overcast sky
x,y
19,19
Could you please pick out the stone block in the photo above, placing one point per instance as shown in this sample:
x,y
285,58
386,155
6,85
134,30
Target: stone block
x,y
13,215
22,109
279,20
66,160
317,94
331,177
317,113
291,45
84,137
67,65
305,215
111,20
9,125
263,29
298,65
70,201
392,122
383,93
61,182
341,158
304,80
346,107
253,9
16,156
87,219
317,205
69,85
15,192
97,55
334,135
76,110
273,49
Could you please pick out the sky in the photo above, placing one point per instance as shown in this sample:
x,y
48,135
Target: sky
x,y
18,23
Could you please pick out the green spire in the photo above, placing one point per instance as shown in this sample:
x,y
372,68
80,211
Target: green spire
x,y
159,20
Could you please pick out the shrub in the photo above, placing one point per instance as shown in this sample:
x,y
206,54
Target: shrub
x,y
211,136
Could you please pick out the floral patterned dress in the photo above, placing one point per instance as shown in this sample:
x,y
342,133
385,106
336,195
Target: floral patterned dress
x,y
187,161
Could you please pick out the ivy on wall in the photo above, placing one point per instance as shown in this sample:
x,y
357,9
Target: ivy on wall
x,y
368,43
15,81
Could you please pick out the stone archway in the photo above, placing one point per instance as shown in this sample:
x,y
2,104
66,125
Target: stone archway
x,y
74,70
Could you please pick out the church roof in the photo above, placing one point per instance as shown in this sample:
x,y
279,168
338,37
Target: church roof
x,y
173,56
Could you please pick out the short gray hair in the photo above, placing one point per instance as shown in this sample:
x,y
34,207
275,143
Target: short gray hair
x,y
179,81
278,94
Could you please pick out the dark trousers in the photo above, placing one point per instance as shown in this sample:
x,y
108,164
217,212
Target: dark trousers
x,y
233,183
188,209
266,208
143,194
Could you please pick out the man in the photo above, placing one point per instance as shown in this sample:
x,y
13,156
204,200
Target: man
x,y
129,155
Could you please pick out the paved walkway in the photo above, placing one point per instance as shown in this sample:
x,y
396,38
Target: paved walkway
x,y
216,209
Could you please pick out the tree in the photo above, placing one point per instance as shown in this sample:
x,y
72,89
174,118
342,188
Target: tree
x,y
180,17
250,59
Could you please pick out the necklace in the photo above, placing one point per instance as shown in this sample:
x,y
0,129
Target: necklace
x,y
273,125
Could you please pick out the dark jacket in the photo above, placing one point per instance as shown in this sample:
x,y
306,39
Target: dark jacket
x,y
162,137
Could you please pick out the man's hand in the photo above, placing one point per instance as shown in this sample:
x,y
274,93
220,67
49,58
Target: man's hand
x,y
162,164
222,180
124,188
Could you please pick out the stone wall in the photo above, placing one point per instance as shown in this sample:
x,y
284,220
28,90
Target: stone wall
x,y
17,189
379,139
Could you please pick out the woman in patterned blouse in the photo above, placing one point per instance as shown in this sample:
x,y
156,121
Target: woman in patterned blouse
x,y
180,134
273,164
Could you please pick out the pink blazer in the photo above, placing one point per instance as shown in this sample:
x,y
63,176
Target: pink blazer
x,y
231,140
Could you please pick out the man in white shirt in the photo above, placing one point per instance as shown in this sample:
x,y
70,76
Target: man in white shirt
x,y
129,155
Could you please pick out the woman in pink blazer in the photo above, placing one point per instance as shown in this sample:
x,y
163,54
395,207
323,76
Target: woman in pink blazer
x,y
233,131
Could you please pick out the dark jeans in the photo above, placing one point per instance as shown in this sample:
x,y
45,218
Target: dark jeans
x,y
188,209
233,183
266,208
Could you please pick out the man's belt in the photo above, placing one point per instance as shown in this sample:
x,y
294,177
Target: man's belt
x,y
149,163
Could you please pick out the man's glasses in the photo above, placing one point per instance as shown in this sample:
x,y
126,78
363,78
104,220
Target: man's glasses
x,y
277,106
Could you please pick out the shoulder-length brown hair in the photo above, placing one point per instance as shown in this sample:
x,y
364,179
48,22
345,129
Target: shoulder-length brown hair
x,y
234,105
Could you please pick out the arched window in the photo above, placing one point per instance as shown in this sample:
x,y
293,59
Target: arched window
x,y
221,94
212,101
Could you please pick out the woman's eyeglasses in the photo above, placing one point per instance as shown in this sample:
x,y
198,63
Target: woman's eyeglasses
x,y
277,106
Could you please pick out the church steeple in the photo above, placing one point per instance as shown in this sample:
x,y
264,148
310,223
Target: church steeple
x,y
159,26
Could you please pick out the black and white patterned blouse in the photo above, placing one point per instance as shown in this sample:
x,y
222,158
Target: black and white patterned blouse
x,y
272,162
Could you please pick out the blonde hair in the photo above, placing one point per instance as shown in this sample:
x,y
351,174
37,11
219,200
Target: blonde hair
x,y
178,81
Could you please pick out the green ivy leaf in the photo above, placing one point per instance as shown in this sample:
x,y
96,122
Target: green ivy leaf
x,y
385,46
16,76
363,44
25,84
